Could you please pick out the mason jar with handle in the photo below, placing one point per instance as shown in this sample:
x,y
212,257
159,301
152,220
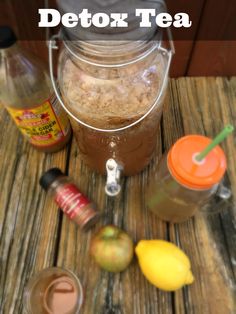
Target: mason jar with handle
x,y
113,86
114,96
181,184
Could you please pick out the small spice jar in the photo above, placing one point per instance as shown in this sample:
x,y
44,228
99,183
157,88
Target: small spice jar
x,y
69,198
182,185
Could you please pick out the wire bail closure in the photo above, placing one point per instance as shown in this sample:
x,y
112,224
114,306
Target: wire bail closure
x,y
52,45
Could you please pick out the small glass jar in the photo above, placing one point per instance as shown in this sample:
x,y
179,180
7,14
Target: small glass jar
x,y
53,291
182,185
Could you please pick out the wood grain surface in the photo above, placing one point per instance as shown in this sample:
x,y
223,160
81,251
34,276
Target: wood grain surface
x,y
34,234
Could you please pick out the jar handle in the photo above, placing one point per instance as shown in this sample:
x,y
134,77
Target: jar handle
x,y
52,45
220,200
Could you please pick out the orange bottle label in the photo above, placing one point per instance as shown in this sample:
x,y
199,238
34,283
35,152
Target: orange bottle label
x,y
44,125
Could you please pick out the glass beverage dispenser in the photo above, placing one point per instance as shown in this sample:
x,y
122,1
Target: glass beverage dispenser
x,y
114,91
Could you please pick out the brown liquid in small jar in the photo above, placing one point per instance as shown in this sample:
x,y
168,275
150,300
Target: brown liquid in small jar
x,y
60,296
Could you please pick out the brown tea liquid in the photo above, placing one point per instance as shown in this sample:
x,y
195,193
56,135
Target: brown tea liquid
x,y
132,148
61,296
113,98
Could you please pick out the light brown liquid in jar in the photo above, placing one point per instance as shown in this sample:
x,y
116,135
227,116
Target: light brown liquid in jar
x,y
173,202
169,208
60,296
132,148
111,99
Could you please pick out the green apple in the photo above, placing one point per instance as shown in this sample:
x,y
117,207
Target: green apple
x,y
112,248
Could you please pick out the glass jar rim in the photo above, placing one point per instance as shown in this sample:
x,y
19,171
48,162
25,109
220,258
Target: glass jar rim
x,y
36,278
106,53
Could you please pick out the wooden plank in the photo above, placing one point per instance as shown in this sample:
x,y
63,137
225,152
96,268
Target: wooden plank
x,y
181,59
28,218
24,23
10,11
213,58
7,15
38,47
127,292
202,237
205,110
215,47
30,222
228,217
193,58
26,16
184,39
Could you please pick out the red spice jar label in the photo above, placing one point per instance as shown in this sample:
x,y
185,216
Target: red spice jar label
x,y
71,200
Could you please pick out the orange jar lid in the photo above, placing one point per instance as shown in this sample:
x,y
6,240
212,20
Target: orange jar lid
x,y
191,173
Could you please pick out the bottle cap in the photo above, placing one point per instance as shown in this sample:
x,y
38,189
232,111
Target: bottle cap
x,y
49,177
7,37
188,171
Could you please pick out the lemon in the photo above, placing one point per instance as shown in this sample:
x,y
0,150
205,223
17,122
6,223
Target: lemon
x,y
164,264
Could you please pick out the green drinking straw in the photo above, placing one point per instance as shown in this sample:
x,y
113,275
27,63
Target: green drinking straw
x,y
218,139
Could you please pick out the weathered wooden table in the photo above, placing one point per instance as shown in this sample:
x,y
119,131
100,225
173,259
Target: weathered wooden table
x,y
35,234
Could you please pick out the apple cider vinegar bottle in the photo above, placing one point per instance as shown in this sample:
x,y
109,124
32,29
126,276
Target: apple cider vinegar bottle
x,y
27,94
